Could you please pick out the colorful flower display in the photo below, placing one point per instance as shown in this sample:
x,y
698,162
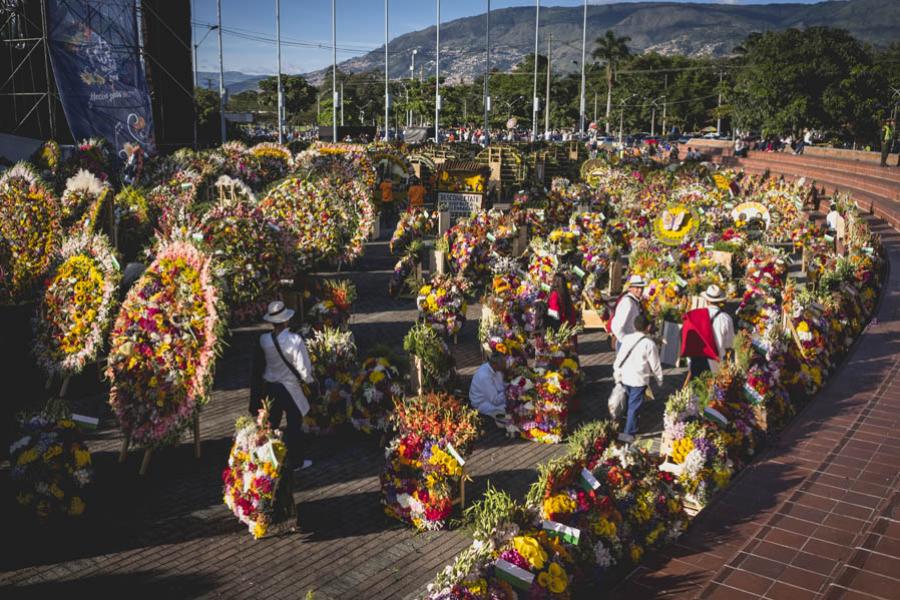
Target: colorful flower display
x,y
250,254
30,232
335,364
163,346
424,463
413,225
442,303
375,389
50,467
83,200
257,489
77,305
333,304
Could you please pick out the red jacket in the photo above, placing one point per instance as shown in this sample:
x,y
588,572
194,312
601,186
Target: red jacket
x,y
697,339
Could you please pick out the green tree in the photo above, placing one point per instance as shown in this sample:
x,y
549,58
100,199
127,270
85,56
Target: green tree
x,y
299,96
818,78
611,50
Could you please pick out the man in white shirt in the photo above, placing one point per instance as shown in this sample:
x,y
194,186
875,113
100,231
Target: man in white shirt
x,y
627,309
636,362
287,366
722,324
831,218
487,394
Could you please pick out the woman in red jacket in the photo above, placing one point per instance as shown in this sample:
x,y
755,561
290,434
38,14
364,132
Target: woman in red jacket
x,y
560,308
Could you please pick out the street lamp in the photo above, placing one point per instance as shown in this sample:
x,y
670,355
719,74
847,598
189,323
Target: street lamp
x,y
209,29
653,116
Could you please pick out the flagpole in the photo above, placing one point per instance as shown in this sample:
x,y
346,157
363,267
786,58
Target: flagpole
x,y
221,74
437,79
278,53
581,109
535,100
334,93
387,91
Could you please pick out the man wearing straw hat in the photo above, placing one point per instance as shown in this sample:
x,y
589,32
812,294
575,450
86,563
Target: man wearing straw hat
x,y
287,367
627,309
708,333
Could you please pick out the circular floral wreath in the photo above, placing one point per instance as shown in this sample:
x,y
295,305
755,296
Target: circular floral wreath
x,y
675,224
76,306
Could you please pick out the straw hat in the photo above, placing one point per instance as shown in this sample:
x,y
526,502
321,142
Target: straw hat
x,y
636,281
278,313
714,294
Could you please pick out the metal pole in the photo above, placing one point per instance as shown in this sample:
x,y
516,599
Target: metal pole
x,y
665,101
537,103
45,35
653,119
342,103
437,79
221,74
547,100
334,94
595,106
387,90
719,108
278,82
583,51
194,95
487,74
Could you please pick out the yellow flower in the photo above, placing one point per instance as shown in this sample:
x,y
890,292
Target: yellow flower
x,y
76,506
259,529
478,587
376,376
554,579
636,553
605,528
803,327
56,491
531,550
52,452
559,504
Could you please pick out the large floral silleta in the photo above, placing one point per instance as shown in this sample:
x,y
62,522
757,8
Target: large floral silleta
x,y
163,346
77,305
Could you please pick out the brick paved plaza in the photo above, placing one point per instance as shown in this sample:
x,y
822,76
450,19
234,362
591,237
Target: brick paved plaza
x,y
815,516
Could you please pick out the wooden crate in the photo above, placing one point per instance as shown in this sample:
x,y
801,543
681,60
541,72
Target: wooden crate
x,y
593,319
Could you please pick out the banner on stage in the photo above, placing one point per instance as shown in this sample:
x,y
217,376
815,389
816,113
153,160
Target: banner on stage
x,y
101,82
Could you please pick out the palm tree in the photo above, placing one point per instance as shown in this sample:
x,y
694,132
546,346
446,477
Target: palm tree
x,y
611,50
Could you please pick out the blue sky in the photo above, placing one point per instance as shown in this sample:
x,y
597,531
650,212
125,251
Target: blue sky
x,y
360,28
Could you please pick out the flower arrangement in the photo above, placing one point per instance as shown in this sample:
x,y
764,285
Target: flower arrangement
x,y
133,222
274,161
83,199
30,232
332,308
442,303
438,366
50,467
163,346
375,389
239,163
424,462
675,224
414,224
250,256
335,364
256,489
314,215
76,306
92,155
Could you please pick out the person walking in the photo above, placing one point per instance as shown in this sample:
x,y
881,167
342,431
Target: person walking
x,y
628,307
887,138
707,334
636,363
281,370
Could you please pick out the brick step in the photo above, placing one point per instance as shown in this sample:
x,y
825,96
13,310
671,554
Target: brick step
x,y
889,176
878,185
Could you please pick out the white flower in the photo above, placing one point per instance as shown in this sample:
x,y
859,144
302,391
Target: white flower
x,y
602,555
21,443
693,463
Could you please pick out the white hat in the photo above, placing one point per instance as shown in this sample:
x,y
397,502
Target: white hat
x,y
636,281
277,313
714,294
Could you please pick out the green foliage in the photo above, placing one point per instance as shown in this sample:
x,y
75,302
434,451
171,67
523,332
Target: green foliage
x,y
816,78
495,508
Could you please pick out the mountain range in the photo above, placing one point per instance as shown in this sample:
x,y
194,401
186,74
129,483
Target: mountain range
x,y
664,27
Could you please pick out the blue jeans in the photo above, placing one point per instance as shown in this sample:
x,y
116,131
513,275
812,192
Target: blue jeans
x,y
635,397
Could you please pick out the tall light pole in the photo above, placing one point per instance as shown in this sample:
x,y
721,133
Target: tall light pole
x,y
719,109
487,74
334,92
535,100
437,79
581,109
412,76
278,82
387,90
221,73
547,99
209,29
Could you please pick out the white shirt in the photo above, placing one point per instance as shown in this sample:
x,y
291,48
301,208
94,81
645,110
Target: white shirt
x,y
278,372
723,332
623,320
831,219
487,394
642,363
